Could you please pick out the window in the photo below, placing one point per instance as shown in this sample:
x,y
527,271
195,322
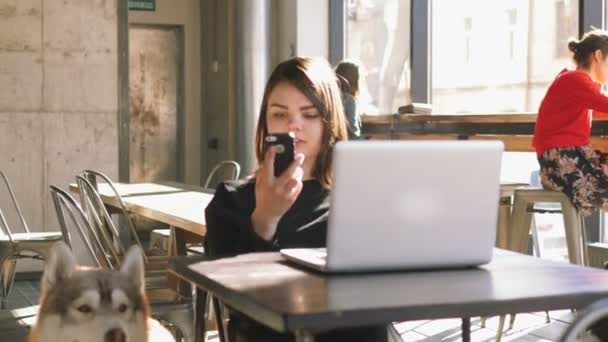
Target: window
x,y
510,53
378,38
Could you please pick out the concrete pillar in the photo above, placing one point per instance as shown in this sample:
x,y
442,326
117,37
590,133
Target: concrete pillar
x,y
252,57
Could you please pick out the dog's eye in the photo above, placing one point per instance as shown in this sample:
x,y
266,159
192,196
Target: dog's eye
x,y
85,308
122,308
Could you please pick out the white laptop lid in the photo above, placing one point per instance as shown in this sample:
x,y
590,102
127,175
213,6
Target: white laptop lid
x,y
413,204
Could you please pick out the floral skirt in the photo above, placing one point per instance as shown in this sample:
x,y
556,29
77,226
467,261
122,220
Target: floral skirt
x,y
579,172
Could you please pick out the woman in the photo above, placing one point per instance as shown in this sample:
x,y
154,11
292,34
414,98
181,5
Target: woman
x,y
266,212
563,127
348,78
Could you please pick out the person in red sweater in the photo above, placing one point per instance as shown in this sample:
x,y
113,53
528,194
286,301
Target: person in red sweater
x,y
563,127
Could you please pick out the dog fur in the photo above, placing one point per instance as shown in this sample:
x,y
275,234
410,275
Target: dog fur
x,y
80,304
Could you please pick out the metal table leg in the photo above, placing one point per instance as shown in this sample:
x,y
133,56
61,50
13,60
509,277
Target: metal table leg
x,y
466,329
200,316
217,310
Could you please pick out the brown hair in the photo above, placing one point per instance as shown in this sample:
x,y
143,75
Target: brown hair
x,y
317,81
592,41
348,76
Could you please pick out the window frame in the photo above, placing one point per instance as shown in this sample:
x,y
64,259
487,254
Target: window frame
x,y
591,13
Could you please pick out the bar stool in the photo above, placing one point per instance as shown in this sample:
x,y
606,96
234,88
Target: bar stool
x,y
521,221
521,218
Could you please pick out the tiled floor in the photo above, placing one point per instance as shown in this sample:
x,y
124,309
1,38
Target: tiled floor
x,y
527,327
24,293
13,321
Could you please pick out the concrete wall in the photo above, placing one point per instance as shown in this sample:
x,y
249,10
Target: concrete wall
x,y
185,13
58,99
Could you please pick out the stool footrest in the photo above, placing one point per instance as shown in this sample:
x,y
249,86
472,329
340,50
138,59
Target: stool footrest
x,y
544,211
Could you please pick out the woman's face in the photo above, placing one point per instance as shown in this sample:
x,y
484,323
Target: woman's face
x,y
599,67
289,110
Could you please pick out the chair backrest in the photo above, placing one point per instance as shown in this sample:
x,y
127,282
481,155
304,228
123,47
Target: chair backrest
x,y
101,220
4,227
585,319
224,168
64,203
95,178
15,204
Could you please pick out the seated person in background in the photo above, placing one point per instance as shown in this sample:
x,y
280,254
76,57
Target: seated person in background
x,y
348,78
568,163
563,127
266,213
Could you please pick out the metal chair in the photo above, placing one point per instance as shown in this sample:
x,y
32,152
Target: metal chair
x,y
585,320
93,177
15,246
525,205
96,212
66,204
224,167
166,304
228,170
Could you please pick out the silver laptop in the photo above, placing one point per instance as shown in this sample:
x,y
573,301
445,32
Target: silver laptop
x,y
409,205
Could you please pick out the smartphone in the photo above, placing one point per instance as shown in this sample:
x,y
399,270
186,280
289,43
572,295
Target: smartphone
x,y
284,150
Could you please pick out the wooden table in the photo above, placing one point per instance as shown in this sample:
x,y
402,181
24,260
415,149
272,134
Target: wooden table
x,y
516,129
178,205
286,298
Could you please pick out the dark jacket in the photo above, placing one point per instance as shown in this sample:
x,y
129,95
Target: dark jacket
x,y
230,231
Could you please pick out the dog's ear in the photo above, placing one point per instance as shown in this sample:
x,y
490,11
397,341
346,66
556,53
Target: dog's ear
x,y
133,265
60,265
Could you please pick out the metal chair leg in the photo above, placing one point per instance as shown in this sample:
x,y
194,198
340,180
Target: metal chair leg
x,y
501,328
10,269
7,277
182,319
584,241
218,318
535,240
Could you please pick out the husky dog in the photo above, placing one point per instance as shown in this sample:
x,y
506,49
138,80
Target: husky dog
x,y
80,304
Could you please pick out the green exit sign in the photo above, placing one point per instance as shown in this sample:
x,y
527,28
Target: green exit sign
x,y
142,5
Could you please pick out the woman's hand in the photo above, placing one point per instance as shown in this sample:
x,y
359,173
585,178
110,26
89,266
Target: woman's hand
x,y
275,195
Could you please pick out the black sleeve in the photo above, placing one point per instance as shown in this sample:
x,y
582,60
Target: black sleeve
x,y
229,228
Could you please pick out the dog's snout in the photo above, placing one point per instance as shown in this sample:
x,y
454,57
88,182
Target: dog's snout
x,y
115,335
